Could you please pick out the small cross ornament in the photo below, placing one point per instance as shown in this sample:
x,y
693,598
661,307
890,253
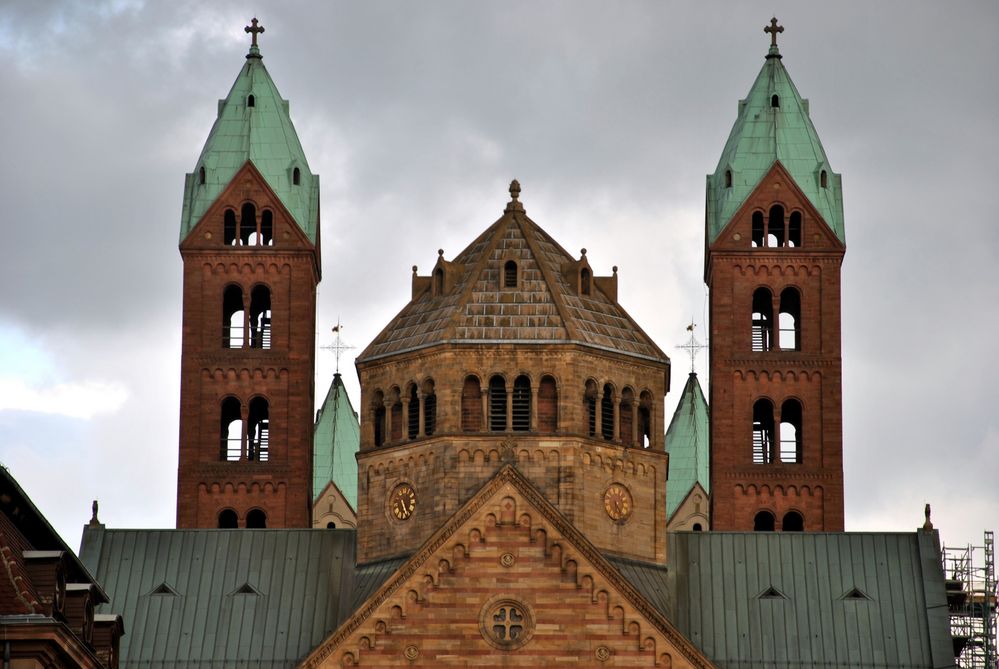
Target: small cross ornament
x,y
255,30
338,347
693,347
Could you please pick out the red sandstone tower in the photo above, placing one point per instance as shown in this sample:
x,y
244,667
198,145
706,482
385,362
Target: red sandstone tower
x,y
250,246
774,246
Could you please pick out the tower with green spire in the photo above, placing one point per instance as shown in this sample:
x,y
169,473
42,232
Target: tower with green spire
x,y
775,241
688,444
249,240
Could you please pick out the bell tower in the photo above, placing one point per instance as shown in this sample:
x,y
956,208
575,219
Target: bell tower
x,y
774,246
250,246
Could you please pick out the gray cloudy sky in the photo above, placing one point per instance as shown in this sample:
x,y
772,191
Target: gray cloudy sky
x,y
416,116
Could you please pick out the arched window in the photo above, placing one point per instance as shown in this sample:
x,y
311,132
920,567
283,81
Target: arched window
x,y
728,178
775,101
763,522
233,316
584,281
260,317
231,431
429,408
230,233
789,320
607,413
758,233
439,281
775,227
251,101
201,175
267,228
257,430
793,522
696,527
645,419
547,405
497,404
331,525
510,274
790,431
794,229
521,419
256,519
395,427
228,519
413,415
378,417
763,432
296,177
471,405
823,179
762,320
247,223
626,417
590,405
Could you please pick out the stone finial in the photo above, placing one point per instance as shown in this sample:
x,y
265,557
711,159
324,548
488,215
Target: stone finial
x,y
93,516
582,252
414,270
614,269
440,252
928,524
514,190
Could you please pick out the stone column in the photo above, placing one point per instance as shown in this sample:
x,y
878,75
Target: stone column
x,y
420,406
405,418
534,408
509,409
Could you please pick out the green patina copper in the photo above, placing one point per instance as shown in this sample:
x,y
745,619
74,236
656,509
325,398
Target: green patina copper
x,y
764,134
687,444
264,135
336,439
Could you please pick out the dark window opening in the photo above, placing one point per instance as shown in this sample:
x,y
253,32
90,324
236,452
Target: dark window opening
x,y
227,520
429,408
395,429
257,431
296,177
775,101
758,233
794,229
823,179
728,178
645,420
260,317
439,281
793,522
331,525
229,229
762,320
201,175
267,228
590,402
231,431
233,316
696,527
547,405
510,274
763,522
775,227
471,405
251,101
497,404
256,519
763,432
378,417
247,224
626,418
521,418
584,281
790,431
789,320
607,413
413,415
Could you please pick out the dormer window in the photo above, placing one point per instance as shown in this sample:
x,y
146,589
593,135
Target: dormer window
x,y
823,179
439,281
250,101
584,281
201,175
510,274
296,176
775,101
728,178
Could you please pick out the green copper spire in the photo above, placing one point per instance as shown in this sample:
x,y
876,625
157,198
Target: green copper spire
x,y
336,438
253,124
687,445
773,124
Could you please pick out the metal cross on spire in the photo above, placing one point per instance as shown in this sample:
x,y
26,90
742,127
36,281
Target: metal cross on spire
x,y
255,30
337,346
693,347
773,29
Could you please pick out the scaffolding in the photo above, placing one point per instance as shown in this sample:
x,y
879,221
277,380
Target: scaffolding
x,y
971,601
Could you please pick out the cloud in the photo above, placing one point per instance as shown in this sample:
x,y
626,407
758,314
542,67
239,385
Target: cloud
x,y
75,400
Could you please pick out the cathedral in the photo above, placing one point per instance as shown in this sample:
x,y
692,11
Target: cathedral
x,y
510,492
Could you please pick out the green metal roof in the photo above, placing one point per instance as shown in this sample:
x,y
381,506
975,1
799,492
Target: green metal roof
x,y
782,599
262,134
764,134
337,437
687,444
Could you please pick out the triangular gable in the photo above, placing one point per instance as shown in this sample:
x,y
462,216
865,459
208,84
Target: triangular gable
x,y
339,512
506,573
686,510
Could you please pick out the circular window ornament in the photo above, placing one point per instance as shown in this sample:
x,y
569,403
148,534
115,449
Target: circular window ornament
x,y
411,653
402,501
602,653
618,502
506,624
507,560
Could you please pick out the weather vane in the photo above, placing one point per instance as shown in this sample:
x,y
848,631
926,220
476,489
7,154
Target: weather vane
x,y
337,346
693,347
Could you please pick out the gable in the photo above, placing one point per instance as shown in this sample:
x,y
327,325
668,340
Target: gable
x,y
506,581
693,509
